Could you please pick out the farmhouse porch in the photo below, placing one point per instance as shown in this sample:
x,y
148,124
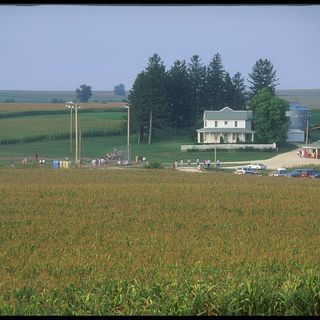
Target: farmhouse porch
x,y
228,135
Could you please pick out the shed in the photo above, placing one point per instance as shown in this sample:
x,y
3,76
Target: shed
x,y
311,150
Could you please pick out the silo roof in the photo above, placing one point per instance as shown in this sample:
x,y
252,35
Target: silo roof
x,y
296,106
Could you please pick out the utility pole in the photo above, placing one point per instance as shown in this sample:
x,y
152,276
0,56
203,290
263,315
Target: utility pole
x,y
80,147
307,132
128,134
71,132
215,149
76,124
71,105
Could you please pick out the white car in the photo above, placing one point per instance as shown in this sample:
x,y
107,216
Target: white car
x,y
280,172
257,165
246,170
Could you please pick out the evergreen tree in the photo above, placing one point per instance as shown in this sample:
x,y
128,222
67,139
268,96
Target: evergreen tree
x,y
262,76
138,105
197,75
156,95
239,93
229,92
181,112
269,117
214,89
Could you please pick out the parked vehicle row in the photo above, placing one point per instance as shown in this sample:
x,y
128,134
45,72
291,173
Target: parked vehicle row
x,y
280,172
296,173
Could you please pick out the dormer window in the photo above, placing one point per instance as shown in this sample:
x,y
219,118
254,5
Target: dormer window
x,y
216,123
236,124
225,122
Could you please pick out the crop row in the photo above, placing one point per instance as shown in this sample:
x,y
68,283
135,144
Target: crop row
x,y
157,242
56,127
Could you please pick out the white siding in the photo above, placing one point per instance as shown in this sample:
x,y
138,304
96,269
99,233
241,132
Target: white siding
x,y
230,124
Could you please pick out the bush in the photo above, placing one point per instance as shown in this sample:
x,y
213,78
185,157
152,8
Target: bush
x,y
155,164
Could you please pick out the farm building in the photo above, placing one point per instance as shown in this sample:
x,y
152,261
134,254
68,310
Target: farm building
x,y
299,115
227,125
311,150
295,135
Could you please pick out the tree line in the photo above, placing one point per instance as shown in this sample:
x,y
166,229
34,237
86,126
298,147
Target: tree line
x,y
174,100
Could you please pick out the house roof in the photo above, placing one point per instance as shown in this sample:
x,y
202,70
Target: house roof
x,y
225,130
227,114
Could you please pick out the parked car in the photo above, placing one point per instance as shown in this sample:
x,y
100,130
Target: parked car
x,y
301,172
307,173
315,174
280,172
247,170
294,173
257,165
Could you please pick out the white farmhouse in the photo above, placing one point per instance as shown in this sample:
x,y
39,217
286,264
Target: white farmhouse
x,y
232,125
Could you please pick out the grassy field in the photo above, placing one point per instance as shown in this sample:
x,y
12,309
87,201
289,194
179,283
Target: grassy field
x,y
166,150
157,242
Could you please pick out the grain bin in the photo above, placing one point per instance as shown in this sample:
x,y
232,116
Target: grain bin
x,y
298,114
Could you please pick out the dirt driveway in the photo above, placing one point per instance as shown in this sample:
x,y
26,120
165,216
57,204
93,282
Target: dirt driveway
x,y
287,160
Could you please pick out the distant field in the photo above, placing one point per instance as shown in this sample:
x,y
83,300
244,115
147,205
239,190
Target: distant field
x,y
308,97
47,96
20,107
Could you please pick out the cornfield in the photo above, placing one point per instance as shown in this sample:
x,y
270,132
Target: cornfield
x,y
157,242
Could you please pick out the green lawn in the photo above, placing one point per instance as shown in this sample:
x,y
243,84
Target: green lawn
x,y
166,150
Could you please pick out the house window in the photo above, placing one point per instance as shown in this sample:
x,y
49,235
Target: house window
x,y
225,122
216,123
236,124
205,123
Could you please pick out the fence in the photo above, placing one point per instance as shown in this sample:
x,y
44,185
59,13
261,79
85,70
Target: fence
x,y
230,146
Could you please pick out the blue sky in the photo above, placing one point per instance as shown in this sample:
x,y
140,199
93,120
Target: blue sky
x,y
60,47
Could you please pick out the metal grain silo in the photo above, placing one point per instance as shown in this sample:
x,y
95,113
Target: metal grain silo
x,y
298,114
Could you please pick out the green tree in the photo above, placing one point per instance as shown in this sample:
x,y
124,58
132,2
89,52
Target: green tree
x,y
197,75
262,76
181,108
269,117
214,88
84,93
119,90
